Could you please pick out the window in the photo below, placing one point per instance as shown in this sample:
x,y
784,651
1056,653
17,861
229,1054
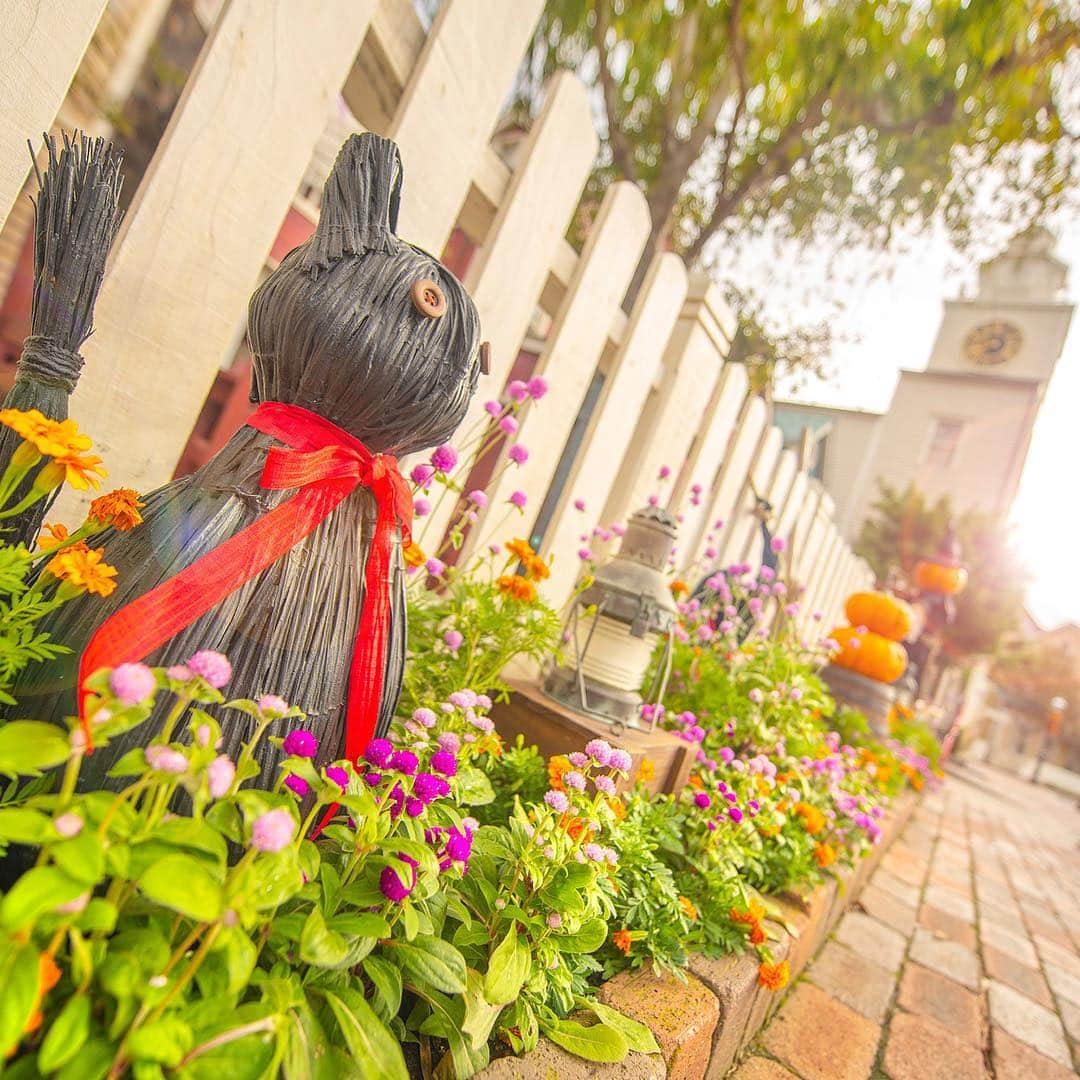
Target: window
x,y
944,442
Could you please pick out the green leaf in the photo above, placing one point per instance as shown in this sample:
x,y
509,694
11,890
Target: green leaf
x,y
362,924
508,968
374,1049
473,787
386,979
480,1014
66,1035
638,1036
182,883
165,1041
589,938
596,1043
320,946
29,746
432,962
39,890
21,825
92,1064
83,857
19,975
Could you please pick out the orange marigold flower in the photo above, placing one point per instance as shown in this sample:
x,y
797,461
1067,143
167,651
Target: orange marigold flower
x,y
774,977
646,770
413,554
517,587
687,905
557,765
621,940
618,808
81,471
51,437
824,855
84,568
678,588
536,568
758,935
813,819
575,828
697,782
119,508
57,534
522,549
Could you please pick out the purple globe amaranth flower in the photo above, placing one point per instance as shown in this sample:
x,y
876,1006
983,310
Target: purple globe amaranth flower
x,y
297,785
735,814
444,458
397,801
599,750
518,499
165,759
273,830
421,507
435,567
459,844
378,752
518,454
300,743
702,800
405,761
443,761
414,807
538,387
338,775
373,779
390,883
68,825
132,684
220,775
557,800
421,475
428,787
271,703
214,667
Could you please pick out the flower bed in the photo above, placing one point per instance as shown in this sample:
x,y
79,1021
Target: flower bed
x,y
449,896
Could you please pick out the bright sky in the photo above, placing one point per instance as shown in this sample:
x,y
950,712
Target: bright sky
x,y
895,320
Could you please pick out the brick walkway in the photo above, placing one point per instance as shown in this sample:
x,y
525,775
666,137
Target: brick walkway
x,y
961,959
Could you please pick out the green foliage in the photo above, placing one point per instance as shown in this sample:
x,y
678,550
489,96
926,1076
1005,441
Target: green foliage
x,y
904,528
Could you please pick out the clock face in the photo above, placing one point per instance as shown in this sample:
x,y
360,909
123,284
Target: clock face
x,y
992,343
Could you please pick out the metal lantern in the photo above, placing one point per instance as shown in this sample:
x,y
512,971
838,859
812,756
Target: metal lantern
x,y
615,626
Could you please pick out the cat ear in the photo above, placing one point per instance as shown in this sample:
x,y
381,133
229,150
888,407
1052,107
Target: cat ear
x,y
360,202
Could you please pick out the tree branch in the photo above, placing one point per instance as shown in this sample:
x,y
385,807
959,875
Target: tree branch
x,y
621,151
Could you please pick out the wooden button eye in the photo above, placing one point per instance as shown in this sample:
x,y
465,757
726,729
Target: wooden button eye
x,y
485,357
428,298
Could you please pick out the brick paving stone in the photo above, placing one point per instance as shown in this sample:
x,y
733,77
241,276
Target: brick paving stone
x,y
1053,953
872,940
1063,983
1012,940
854,980
951,902
1028,1021
930,994
919,1048
1015,1061
821,1038
905,864
1008,969
947,926
948,958
1070,1014
760,1068
907,894
887,909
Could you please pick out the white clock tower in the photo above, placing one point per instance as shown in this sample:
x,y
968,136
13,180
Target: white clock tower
x,y
962,427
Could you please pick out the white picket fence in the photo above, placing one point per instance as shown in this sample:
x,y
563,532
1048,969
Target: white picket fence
x,y
254,134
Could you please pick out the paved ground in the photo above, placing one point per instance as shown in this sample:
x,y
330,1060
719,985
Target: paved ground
x,y
962,958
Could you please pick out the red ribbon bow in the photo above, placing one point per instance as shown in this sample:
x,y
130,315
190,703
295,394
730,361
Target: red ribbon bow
x,y
327,465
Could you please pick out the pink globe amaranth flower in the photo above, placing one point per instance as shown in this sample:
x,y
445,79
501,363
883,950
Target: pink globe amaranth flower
x,y
132,684
518,453
220,775
718,523
179,673
463,699
378,752
300,743
421,507
68,825
477,498
573,779
557,800
509,425
538,387
579,504
621,760
297,785
273,831
492,408
584,554
165,759
695,489
338,775
727,755
605,784
449,741
444,458
443,761
435,567
425,717
421,475
454,639
599,750
756,696
214,667
517,390
578,759
74,907
710,553
390,883
592,851
778,544
518,499
554,920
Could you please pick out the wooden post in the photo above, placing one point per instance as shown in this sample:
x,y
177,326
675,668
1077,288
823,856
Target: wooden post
x,y
43,43
776,492
743,524
202,223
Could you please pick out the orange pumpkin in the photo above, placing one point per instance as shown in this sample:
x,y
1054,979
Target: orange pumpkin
x,y
940,578
869,654
884,614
